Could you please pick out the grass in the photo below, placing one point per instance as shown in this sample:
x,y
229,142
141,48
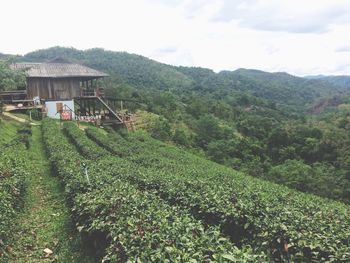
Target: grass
x,y
8,129
45,221
26,117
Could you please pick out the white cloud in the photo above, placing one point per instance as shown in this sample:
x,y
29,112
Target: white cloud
x,y
343,49
288,16
301,37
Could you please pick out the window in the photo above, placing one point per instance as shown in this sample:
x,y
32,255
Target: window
x,y
59,106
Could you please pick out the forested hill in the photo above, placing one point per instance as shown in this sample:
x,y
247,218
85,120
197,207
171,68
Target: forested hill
x,y
279,87
141,72
4,56
134,70
341,81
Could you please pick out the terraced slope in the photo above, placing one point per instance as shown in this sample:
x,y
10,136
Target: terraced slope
x,y
286,224
14,169
44,231
124,222
135,199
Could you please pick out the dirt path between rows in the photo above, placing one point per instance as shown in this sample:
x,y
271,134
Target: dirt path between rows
x,y
45,231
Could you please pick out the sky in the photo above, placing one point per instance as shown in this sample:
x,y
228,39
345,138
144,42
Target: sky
x,y
307,37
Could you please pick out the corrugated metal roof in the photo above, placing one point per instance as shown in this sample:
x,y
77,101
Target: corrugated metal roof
x,y
58,70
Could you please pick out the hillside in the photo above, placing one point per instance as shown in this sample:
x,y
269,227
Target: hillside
x,y
280,88
3,56
135,70
253,121
340,81
141,72
133,198
136,199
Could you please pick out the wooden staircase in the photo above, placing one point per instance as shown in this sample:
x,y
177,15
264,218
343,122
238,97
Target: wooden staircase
x,y
89,101
110,110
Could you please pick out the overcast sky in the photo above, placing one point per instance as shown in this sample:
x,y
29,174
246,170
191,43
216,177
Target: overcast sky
x,y
300,37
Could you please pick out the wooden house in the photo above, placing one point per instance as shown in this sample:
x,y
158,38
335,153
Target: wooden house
x,y
58,79
59,84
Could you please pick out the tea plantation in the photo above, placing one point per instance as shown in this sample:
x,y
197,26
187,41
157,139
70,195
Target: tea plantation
x,y
14,168
135,199
261,220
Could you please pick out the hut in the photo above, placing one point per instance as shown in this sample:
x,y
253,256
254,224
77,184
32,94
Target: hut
x,y
59,85
58,79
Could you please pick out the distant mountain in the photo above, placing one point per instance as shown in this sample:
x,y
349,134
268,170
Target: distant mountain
x,y
341,81
280,87
135,70
4,56
283,87
143,73
250,120
315,77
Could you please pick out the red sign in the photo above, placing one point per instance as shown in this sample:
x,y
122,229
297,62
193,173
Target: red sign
x,y
66,115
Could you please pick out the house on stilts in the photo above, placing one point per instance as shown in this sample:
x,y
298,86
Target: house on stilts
x,y
59,85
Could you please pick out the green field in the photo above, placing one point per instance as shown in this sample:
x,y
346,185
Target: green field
x,y
135,199
258,217
14,168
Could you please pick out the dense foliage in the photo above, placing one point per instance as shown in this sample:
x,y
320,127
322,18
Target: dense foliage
x,y
14,168
11,79
137,199
286,224
141,72
125,222
342,81
250,120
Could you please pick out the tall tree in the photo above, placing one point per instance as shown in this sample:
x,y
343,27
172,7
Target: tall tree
x,y
11,79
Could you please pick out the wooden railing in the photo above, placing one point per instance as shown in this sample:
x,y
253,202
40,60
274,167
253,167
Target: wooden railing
x,y
92,93
12,95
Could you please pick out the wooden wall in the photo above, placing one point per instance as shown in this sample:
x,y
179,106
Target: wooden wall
x,y
49,88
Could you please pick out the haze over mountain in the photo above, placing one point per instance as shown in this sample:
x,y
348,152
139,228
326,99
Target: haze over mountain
x,y
219,34
341,81
141,72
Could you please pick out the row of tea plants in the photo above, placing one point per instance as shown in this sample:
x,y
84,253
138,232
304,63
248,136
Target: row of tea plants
x,y
286,224
123,222
14,169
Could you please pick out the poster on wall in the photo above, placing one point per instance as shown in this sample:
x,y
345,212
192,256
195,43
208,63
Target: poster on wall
x,y
66,115
55,108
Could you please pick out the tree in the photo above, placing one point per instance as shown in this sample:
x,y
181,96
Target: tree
x,y
292,173
180,137
208,129
161,130
11,79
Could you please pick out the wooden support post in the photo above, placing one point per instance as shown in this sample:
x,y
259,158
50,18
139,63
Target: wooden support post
x,y
83,107
93,107
89,106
